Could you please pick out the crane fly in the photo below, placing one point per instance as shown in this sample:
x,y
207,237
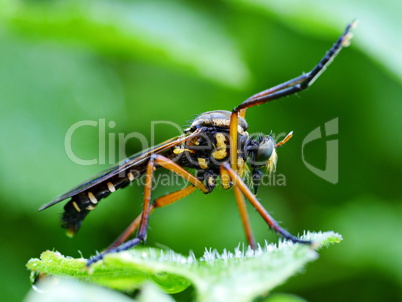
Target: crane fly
x,y
216,145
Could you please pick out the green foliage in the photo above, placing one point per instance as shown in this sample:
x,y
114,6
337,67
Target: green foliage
x,y
129,29
241,275
134,62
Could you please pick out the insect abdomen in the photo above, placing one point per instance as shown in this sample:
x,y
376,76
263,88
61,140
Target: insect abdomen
x,y
81,204
78,208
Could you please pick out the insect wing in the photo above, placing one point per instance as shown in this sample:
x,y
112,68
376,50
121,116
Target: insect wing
x,y
128,163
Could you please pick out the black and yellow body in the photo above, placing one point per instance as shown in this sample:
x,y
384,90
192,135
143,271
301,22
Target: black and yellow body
x,y
216,145
204,147
211,148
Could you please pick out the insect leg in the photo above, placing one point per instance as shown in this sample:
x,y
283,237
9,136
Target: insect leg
x,y
158,203
300,83
146,207
162,161
287,88
234,121
244,217
172,166
238,182
127,232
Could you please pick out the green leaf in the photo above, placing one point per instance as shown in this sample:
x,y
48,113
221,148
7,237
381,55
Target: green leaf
x,y
112,272
240,275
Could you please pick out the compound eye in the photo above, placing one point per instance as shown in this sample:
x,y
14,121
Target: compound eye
x,y
264,151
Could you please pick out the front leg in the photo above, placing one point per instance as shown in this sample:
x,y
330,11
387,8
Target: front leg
x,y
241,186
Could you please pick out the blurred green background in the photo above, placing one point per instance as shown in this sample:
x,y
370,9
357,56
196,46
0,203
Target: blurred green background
x,y
134,62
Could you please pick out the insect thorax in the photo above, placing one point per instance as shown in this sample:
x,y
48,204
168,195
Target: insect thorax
x,y
208,150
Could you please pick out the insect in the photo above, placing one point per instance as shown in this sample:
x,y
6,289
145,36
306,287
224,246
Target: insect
x,y
216,145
